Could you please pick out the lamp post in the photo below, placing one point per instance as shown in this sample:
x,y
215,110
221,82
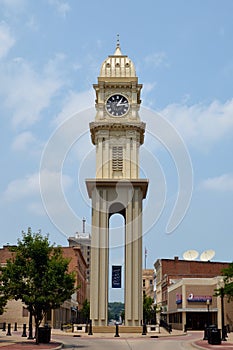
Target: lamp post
x,y
206,331
222,313
208,312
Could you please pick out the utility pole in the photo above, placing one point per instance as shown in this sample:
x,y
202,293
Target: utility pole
x,y
145,257
84,226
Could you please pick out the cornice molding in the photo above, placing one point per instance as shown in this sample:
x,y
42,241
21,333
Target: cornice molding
x,y
117,126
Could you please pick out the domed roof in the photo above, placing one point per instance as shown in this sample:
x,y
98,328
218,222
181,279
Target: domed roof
x,y
117,66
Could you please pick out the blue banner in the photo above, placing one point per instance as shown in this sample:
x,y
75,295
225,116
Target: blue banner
x,y
116,276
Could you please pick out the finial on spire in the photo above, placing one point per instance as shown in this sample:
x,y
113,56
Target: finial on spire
x,y
118,48
118,40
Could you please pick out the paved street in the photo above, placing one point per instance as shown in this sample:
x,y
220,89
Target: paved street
x,y
132,343
175,341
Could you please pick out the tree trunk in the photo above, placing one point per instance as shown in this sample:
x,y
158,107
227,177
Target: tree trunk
x,y
36,329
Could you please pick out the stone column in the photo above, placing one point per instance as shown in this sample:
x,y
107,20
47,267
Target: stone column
x,y
133,260
99,260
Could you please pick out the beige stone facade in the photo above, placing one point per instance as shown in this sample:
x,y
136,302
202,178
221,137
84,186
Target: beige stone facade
x,y
16,312
148,282
117,134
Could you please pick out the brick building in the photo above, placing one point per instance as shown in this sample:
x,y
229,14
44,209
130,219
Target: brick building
x,y
16,311
183,288
83,240
168,271
192,304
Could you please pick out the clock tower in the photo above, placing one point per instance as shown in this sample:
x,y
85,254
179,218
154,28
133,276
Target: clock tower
x,y
117,133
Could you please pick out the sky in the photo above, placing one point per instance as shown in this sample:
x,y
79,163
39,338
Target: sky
x,y
51,52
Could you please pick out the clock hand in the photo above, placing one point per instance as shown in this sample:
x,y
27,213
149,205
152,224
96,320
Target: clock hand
x,y
119,103
122,103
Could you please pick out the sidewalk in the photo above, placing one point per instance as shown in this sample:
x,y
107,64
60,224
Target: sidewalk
x,y
17,342
203,344
163,333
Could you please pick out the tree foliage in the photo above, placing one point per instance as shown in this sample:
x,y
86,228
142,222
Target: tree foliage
x,y
3,301
147,308
228,281
114,310
38,275
86,310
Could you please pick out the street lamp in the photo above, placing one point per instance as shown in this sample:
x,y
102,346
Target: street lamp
x,y
222,313
206,330
208,312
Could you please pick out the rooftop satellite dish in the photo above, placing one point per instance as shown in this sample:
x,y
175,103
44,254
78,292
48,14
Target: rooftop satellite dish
x,y
190,255
207,255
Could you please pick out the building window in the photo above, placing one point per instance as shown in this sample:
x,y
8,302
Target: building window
x,y
117,158
143,283
25,312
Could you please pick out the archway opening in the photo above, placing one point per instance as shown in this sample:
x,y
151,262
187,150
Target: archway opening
x,y
116,268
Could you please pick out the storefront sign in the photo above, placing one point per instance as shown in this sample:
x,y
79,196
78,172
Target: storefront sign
x,y
178,298
199,298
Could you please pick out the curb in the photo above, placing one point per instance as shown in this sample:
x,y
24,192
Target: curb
x,y
58,347
197,346
206,347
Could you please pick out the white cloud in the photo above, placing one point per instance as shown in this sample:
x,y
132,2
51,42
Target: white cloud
x,y
36,208
148,87
201,125
222,183
6,39
25,92
13,4
74,103
62,7
22,188
23,141
156,59
29,186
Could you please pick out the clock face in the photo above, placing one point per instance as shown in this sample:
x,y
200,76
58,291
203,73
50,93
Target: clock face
x,y
117,105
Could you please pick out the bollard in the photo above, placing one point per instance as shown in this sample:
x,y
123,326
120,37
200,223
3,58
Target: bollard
x,y
86,327
30,336
24,330
4,327
90,328
144,329
206,333
9,329
15,329
117,330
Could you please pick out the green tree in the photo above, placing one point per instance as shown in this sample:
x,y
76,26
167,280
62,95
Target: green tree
x,y
3,301
228,281
147,308
38,275
86,310
114,310
227,289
